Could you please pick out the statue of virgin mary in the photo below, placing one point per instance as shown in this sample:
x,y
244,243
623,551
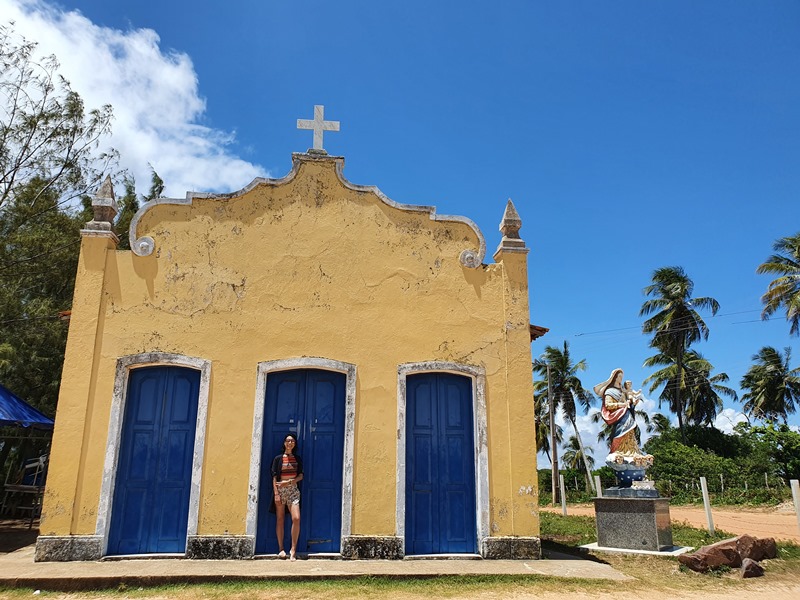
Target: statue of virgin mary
x,y
618,412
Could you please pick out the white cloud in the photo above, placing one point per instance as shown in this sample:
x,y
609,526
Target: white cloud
x,y
154,94
728,419
589,431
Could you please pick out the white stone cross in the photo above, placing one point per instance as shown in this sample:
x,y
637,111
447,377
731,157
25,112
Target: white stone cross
x,y
318,125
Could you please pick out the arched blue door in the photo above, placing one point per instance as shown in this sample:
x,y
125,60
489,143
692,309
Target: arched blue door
x,y
440,465
311,404
150,509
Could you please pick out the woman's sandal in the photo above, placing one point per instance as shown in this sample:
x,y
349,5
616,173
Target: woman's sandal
x,y
281,554
292,557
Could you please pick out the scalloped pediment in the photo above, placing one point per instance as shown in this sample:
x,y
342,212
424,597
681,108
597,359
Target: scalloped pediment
x,y
314,178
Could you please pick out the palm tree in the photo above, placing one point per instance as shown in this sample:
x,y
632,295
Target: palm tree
x,y
785,290
773,387
675,323
700,390
704,393
542,422
574,454
659,424
566,388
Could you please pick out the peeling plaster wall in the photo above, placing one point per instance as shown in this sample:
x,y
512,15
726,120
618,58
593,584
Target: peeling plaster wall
x,y
308,266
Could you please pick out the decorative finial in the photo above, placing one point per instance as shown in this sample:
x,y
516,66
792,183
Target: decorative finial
x,y
104,206
510,226
318,125
511,223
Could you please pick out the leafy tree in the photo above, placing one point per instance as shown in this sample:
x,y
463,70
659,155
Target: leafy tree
x,y
683,465
49,155
45,132
743,457
38,261
6,351
773,387
39,248
707,438
784,291
567,390
156,186
783,447
675,323
700,390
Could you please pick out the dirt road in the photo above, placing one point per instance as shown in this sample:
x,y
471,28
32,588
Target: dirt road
x,y
779,523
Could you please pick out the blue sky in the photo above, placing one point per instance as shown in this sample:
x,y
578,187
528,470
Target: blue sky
x,y
630,135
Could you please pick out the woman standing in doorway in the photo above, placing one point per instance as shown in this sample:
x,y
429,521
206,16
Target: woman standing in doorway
x,y
287,471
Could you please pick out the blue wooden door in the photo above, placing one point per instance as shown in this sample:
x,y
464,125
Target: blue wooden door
x,y
150,509
440,465
311,404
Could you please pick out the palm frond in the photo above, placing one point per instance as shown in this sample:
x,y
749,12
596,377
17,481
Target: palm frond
x,y
784,291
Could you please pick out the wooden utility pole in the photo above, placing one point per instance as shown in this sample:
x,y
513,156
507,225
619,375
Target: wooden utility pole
x,y
553,448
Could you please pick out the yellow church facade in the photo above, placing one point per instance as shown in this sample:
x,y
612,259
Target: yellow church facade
x,y
374,331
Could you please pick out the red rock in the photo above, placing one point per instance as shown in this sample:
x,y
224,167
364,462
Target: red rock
x,y
721,554
731,553
693,562
751,568
768,548
748,547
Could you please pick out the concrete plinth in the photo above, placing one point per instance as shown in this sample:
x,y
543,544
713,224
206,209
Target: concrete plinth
x,y
633,523
629,492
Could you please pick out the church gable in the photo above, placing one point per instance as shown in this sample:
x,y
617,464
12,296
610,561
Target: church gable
x,y
308,241
314,201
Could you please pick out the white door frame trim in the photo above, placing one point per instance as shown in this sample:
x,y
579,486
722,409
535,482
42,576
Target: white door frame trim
x,y
288,364
481,448
125,365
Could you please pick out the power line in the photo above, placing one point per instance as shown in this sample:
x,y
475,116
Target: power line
x,y
741,312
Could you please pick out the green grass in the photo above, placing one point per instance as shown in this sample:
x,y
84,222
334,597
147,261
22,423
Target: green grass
x,y
684,534
789,551
340,589
567,531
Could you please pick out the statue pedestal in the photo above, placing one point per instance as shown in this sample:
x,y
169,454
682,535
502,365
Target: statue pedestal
x,y
633,523
630,492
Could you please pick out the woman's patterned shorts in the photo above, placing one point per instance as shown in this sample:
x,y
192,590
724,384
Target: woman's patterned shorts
x,y
289,494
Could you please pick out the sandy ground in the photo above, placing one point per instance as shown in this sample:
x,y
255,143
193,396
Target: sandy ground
x,y
779,523
776,592
767,592
781,591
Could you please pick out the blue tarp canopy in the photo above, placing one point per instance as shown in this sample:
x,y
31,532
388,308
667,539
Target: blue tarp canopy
x,y
15,411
